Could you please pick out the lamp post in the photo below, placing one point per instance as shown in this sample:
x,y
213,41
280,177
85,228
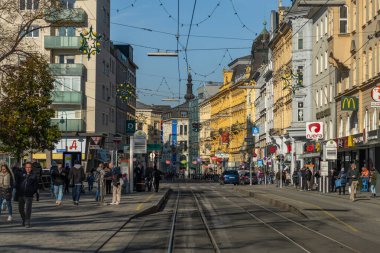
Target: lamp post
x,y
64,121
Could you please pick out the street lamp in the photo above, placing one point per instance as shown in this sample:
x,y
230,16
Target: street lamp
x,y
64,121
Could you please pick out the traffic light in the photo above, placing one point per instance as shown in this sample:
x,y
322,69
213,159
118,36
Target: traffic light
x,y
196,126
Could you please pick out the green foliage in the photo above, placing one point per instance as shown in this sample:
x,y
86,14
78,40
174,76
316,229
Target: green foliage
x,y
25,111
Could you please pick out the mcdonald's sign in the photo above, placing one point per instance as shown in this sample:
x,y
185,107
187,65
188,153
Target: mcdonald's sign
x,y
349,103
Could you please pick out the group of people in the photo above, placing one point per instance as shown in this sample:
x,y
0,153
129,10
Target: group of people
x,y
351,178
302,178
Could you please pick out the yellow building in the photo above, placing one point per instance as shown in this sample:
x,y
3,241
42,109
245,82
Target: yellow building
x,y
229,115
281,46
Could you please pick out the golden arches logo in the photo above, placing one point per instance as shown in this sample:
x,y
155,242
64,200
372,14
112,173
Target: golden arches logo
x,y
349,104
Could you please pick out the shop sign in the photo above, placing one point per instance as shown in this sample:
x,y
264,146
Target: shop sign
x,y
225,138
272,149
330,151
358,139
324,169
314,130
349,103
372,135
309,147
350,141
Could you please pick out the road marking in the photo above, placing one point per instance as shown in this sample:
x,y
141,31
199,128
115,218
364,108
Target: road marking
x,y
139,206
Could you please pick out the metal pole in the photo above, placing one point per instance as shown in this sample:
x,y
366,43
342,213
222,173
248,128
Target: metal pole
x,y
131,143
250,173
281,164
66,131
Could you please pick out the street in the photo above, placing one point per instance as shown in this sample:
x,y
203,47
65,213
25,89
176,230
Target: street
x,y
234,222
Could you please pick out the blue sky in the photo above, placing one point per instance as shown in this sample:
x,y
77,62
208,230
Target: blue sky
x,y
222,23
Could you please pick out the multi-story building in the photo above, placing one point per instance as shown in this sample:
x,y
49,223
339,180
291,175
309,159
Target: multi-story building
x,y
228,114
125,74
175,135
196,124
84,96
358,75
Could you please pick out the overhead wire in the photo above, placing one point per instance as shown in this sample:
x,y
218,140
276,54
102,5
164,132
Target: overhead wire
x,y
188,35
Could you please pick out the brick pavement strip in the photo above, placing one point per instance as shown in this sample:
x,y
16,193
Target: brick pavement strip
x,y
70,228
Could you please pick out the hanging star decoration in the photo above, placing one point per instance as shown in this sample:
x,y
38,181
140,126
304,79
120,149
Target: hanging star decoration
x,y
90,42
125,91
293,81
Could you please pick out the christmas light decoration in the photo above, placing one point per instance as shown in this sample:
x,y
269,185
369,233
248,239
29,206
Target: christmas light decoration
x,y
293,81
90,42
125,91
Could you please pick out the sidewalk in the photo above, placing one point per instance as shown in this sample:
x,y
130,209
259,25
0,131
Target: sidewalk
x,y
71,228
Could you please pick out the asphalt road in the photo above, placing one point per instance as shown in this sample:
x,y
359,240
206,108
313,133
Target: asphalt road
x,y
232,223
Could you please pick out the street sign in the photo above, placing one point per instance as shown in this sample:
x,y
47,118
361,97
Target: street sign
x,y
314,130
154,147
130,126
96,139
94,147
324,168
140,142
330,151
126,149
255,130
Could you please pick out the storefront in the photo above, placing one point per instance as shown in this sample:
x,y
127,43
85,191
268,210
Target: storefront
x,y
311,155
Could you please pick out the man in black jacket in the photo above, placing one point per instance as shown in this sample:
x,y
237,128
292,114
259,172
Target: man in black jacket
x,y
37,171
156,174
76,177
27,185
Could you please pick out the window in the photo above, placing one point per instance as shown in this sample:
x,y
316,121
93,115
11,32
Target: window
x,y
326,60
316,66
185,129
348,127
321,63
183,114
317,33
66,31
343,23
325,95
68,4
103,118
67,83
33,32
322,27
341,128
300,40
317,98
331,128
29,4
326,24
331,93
321,97
69,59
103,92
181,130
300,115
374,115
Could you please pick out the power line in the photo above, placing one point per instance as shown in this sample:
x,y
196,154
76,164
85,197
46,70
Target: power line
x,y
126,7
240,20
188,35
214,69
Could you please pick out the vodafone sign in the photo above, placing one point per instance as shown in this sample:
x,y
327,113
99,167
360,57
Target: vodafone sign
x,y
314,130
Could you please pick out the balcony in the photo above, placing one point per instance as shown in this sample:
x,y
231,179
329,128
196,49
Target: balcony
x,y
67,97
75,16
67,69
62,42
73,125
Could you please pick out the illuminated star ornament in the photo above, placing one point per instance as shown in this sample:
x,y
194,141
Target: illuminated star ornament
x,y
90,42
289,76
125,91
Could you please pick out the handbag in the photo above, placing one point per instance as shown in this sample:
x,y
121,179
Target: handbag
x,y
338,183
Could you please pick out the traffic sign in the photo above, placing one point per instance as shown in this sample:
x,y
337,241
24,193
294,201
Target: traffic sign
x,y
330,151
130,126
96,139
255,130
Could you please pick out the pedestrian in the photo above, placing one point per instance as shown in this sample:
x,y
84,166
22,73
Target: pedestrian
x,y
288,178
278,179
27,185
76,178
16,169
342,177
373,179
100,180
365,179
308,177
116,184
90,180
353,177
295,179
58,176
37,170
6,187
108,179
67,179
156,174
52,168
333,178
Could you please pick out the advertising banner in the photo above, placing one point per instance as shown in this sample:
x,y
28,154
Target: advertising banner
x,y
174,132
314,130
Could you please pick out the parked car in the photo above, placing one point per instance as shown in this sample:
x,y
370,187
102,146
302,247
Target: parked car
x,y
230,177
245,178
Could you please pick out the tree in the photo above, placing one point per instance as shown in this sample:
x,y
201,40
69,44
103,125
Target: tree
x,y
20,18
25,112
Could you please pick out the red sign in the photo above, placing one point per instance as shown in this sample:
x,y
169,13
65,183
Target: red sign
x,y
272,149
289,147
310,147
225,138
214,158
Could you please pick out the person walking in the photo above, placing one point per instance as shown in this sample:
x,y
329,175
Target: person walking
x,y
116,185
76,177
342,177
308,178
58,177
67,179
100,180
373,179
6,188
27,185
52,168
334,177
37,170
156,174
90,180
108,179
295,179
353,177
